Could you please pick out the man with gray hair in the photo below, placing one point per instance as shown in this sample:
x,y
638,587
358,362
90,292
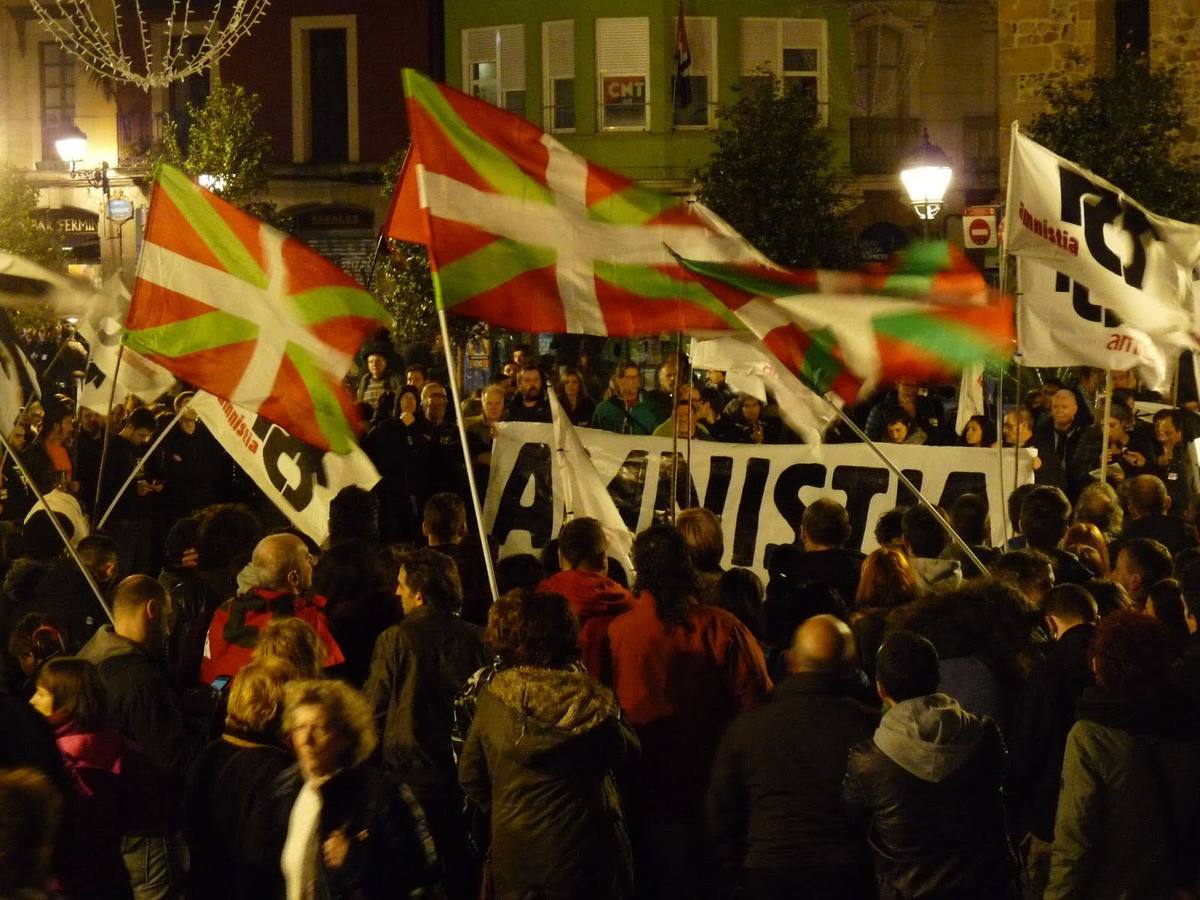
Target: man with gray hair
x,y
774,802
276,583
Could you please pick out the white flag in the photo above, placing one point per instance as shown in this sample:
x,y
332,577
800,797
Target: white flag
x,y
1060,323
102,328
584,491
298,478
749,368
970,396
23,282
1138,262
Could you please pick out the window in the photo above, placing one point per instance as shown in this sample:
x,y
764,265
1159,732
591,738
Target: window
x,y
623,73
791,49
58,96
878,50
558,71
324,89
494,65
694,103
1132,27
191,91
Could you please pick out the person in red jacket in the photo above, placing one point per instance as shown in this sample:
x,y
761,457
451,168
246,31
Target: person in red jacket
x,y
681,670
283,568
594,597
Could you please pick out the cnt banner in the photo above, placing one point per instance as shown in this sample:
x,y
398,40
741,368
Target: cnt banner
x,y
298,478
759,492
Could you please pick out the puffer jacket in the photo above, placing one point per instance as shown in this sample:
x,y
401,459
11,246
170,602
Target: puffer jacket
x,y
929,783
538,759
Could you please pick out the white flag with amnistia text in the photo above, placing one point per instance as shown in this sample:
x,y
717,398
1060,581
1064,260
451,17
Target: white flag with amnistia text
x,y
1136,263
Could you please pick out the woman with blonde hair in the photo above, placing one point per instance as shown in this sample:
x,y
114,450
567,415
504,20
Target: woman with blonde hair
x,y
1085,541
232,816
294,644
352,832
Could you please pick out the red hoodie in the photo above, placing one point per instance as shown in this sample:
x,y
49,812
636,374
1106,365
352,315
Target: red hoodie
x,y
596,600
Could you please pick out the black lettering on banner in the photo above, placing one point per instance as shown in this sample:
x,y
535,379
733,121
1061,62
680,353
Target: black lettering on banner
x,y
861,484
1095,207
904,497
276,444
745,531
720,473
959,483
627,486
532,463
1082,304
787,496
685,491
94,376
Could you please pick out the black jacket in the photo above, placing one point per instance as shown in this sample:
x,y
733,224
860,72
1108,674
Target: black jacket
x,y
391,852
140,700
1039,736
775,796
538,760
930,785
65,597
417,668
234,821
1171,531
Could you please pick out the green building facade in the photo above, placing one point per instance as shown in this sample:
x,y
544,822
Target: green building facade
x,y
600,77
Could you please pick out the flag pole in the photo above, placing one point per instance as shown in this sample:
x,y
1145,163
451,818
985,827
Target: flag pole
x,y
87,576
112,396
1108,389
466,451
983,570
138,468
1000,453
374,260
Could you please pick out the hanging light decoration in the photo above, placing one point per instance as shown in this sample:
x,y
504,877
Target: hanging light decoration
x,y
116,41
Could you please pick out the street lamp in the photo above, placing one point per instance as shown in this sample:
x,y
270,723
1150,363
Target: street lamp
x,y
71,146
926,176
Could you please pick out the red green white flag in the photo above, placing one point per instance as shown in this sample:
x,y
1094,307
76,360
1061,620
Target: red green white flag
x,y
525,234
927,316
231,305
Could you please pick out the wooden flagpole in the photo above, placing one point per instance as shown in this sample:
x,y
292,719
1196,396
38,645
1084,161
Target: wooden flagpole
x,y
1108,389
112,396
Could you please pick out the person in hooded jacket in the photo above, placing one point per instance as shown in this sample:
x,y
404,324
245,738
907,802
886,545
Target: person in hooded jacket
x,y
539,759
594,597
929,786
1127,821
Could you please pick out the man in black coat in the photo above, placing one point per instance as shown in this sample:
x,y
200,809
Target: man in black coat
x,y
1046,715
1045,518
930,785
775,813
64,596
820,566
1149,504
417,668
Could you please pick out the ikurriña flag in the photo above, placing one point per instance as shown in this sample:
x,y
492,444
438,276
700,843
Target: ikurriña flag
x,y
927,315
243,311
525,234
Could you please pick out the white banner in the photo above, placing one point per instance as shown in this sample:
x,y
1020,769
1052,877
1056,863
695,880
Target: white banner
x,y
759,492
1059,323
102,327
298,478
1138,262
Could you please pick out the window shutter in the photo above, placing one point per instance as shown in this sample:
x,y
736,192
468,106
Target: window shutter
x,y
760,46
558,43
512,57
806,33
623,45
479,45
702,39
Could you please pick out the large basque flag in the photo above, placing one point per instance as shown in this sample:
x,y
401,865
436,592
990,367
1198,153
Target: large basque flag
x,y
247,313
525,234
927,315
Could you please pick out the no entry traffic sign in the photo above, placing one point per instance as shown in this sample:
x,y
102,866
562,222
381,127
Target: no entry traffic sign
x,y
979,227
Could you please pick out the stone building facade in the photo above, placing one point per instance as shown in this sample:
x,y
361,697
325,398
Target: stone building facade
x,y
1037,39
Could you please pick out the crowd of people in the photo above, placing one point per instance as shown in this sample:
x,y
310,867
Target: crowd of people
x,y
251,715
